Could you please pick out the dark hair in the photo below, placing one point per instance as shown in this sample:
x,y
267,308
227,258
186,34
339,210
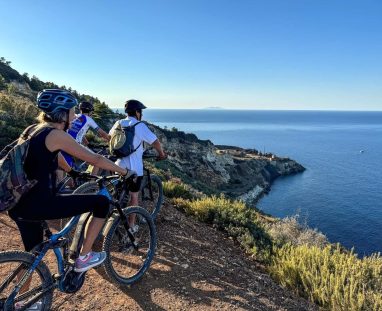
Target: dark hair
x,y
133,113
86,107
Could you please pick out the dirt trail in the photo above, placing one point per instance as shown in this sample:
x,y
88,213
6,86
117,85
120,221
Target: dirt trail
x,y
195,268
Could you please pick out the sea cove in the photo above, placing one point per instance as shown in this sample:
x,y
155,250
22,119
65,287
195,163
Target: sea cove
x,y
339,193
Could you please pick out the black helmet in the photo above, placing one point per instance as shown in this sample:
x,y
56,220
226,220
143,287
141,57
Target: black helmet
x,y
133,105
86,106
52,100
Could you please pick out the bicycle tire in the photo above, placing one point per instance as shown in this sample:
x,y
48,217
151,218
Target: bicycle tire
x,y
117,244
19,258
87,188
153,205
61,187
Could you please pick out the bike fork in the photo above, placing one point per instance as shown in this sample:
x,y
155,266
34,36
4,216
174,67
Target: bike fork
x,y
125,223
9,303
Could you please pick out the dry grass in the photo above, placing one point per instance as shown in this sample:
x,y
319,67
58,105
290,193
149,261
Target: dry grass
x,y
330,277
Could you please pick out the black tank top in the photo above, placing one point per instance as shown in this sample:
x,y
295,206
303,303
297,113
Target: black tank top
x,y
41,164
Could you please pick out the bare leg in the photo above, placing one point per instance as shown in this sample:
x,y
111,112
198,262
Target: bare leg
x,y
60,175
133,202
92,229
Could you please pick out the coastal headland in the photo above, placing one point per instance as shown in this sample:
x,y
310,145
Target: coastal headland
x,y
244,174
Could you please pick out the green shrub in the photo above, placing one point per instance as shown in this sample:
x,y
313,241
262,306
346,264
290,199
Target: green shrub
x,y
233,217
16,113
333,279
173,189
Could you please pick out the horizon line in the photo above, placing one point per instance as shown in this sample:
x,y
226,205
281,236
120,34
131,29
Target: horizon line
x,y
259,109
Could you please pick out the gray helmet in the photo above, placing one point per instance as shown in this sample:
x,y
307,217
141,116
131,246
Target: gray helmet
x,y
52,100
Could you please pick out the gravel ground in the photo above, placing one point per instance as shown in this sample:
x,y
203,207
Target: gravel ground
x,y
195,268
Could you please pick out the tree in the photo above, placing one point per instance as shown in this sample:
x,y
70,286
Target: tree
x,y
4,61
36,84
26,77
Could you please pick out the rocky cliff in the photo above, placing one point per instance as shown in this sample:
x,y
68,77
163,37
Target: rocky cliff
x,y
238,173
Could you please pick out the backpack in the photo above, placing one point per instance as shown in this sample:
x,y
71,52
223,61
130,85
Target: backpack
x,y
121,141
13,180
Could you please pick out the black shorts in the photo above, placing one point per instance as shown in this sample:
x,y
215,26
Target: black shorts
x,y
135,186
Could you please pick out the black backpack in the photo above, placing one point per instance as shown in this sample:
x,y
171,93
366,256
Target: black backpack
x,y
121,141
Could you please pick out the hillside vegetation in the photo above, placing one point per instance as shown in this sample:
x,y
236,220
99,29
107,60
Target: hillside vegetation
x,y
297,257
17,103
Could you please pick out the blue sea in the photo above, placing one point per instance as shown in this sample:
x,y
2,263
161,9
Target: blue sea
x,y
340,193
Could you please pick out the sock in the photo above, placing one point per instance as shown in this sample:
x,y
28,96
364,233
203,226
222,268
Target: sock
x,y
83,257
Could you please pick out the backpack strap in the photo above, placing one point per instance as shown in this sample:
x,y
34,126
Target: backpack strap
x,y
32,131
24,136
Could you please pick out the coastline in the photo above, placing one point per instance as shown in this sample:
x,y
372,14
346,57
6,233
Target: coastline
x,y
238,173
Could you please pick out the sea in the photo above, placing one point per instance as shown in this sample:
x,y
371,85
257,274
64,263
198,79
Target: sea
x,y
340,193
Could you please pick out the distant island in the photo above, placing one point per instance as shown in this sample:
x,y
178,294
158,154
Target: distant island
x,y
214,107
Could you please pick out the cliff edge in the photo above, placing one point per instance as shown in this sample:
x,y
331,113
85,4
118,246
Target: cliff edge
x,y
239,173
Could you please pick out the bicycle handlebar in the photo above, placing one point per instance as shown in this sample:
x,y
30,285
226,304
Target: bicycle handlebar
x,y
89,176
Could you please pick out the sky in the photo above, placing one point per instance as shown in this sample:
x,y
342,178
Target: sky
x,y
237,54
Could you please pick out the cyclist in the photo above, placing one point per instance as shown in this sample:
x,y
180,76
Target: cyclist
x,y
134,161
42,202
79,127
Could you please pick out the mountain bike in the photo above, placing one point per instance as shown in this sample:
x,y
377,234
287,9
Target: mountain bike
x,y
151,191
68,183
24,277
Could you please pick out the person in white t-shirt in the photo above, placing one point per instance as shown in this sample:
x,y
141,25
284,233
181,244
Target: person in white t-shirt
x,y
134,161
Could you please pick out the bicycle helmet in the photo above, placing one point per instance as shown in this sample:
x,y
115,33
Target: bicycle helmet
x,y
86,106
134,105
51,100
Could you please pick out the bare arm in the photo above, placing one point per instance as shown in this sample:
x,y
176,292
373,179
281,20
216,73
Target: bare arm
x,y
103,134
62,163
60,140
85,142
158,147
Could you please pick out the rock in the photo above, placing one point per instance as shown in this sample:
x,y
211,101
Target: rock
x,y
238,173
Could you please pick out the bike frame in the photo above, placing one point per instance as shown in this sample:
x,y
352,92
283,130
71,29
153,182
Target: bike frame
x,y
56,242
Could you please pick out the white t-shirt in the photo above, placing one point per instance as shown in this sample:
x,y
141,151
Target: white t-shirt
x,y
80,126
142,134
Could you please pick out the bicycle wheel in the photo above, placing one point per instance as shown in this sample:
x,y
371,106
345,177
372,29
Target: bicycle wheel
x,y
151,203
87,188
13,265
63,186
124,263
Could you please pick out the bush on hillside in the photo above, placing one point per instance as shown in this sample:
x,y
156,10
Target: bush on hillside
x,y
16,113
233,217
3,84
289,230
176,189
333,279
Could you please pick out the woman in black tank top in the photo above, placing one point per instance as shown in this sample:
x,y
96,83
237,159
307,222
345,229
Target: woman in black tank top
x,y
42,202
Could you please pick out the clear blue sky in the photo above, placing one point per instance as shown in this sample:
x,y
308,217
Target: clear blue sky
x,y
246,54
